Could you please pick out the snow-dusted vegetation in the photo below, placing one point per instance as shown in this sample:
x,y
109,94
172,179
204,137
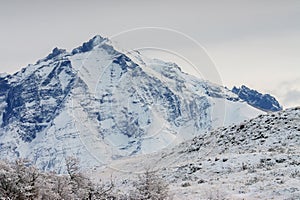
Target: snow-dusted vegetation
x,y
20,180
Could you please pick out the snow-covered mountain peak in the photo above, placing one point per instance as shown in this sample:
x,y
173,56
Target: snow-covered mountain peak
x,y
56,52
101,104
88,46
262,101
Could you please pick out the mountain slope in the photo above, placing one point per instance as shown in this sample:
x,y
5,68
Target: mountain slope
x,y
256,159
97,104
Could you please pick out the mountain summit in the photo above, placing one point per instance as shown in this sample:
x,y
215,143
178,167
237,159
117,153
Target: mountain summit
x,y
261,101
99,104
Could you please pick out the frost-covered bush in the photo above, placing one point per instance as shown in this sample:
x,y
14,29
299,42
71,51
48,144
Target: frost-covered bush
x,y
21,180
149,186
18,180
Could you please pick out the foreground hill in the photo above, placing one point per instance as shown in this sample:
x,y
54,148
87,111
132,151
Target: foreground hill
x,y
256,159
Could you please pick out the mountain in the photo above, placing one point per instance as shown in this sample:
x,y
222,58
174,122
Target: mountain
x,y
256,159
261,101
100,104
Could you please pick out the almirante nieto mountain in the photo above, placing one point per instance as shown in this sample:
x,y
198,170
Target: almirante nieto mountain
x,y
99,104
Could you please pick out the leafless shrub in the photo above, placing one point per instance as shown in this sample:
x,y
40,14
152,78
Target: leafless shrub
x,y
150,186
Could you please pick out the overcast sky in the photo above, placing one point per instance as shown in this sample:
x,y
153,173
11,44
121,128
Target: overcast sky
x,y
256,43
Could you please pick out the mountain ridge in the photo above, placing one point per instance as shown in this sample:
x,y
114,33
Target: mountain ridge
x,y
97,99
261,101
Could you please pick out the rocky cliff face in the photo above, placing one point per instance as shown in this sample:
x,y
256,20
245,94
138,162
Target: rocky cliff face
x,y
261,101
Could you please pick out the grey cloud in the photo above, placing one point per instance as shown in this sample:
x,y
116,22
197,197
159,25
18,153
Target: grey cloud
x,y
292,98
288,92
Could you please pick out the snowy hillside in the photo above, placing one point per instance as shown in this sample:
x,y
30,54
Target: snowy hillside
x,y
256,159
97,104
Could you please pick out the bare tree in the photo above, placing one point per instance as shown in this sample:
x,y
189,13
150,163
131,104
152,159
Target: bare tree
x,y
84,188
18,180
22,181
150,186
8,179
54,187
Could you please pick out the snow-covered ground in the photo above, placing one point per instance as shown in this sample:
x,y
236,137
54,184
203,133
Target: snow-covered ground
x,y
256,159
